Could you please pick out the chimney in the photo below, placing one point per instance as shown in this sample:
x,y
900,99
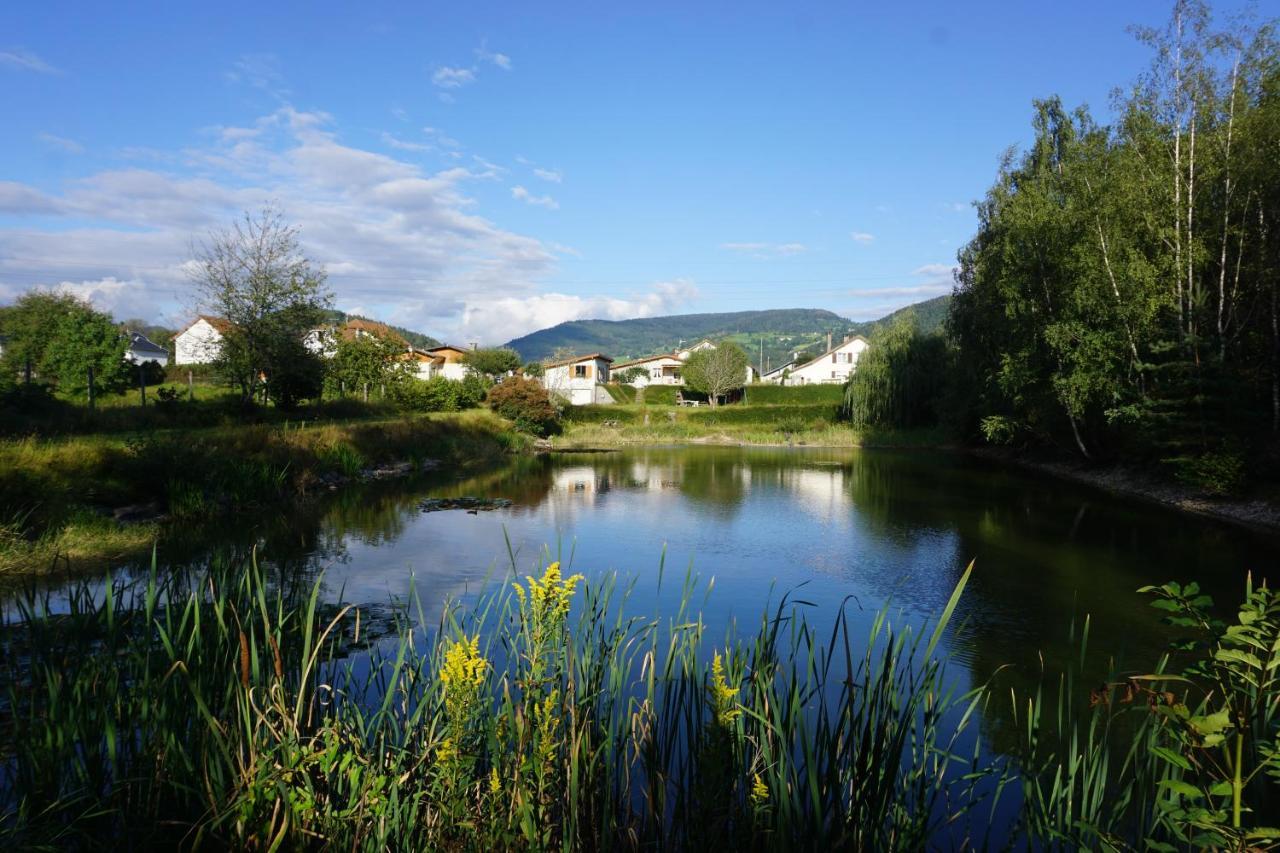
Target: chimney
x,y
828,342
474,346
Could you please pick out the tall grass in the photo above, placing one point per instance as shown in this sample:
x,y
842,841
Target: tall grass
x,y
233,710
224,712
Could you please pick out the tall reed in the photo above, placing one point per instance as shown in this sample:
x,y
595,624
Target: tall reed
x,y
220,712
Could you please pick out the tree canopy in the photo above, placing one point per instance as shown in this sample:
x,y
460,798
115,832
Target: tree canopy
x,y
1120,295
255,275
716,372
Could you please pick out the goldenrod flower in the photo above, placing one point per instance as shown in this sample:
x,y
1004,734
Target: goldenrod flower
x,y
549,597
462,673
495,784
724,699
759,791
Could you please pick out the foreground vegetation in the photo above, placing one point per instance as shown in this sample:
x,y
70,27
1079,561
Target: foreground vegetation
x,y
222,711
62,496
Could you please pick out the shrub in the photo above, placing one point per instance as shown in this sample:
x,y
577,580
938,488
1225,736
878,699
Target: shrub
x,y
436,394
526,404
766,394
1216,472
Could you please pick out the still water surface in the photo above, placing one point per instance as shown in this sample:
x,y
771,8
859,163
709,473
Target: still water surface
x,y
866,527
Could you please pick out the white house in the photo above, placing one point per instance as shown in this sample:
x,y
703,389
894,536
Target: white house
x,y
200,341
447,361
664,369
141,350
580,379
833,366
776,374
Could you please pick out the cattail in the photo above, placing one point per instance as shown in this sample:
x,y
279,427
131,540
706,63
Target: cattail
x,y
244,660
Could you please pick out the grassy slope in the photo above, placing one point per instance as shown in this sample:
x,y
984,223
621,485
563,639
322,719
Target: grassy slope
x,y
803,415
56,493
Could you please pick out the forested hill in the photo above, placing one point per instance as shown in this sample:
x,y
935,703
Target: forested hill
x,y
782,330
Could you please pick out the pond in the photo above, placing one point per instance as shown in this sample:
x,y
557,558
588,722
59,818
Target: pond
x,y
828,527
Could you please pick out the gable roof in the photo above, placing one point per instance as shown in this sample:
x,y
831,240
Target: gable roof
x,y
577,358
838,346
220,324
352,328
622,365
139,342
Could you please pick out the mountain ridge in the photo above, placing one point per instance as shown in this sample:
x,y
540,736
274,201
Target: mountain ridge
x,y
770,334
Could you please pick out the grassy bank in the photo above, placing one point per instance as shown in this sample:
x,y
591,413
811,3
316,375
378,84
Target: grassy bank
x,y
80,501
215,712
791,423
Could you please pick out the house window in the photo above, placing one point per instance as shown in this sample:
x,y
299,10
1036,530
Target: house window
x,y
581,371
834,356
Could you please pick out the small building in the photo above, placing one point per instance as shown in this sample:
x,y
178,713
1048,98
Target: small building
x,y
659,369
142,349
447,361
579,380
200,341
833,366
779,373
665,369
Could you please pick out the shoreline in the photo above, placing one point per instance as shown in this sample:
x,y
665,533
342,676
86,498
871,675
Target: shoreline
x,y
1254,514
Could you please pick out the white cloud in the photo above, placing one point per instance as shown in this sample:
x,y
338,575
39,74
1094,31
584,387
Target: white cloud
x,y
521,194
766,250
70,146
25,60
935,270
958,206
555,176
440,138
452,78
403,242
261,71
499,59
401,145
932,289
862,237
508,318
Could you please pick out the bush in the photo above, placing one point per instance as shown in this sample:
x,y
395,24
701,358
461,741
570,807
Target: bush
x,y
1215,472
768,394
526,404
436,394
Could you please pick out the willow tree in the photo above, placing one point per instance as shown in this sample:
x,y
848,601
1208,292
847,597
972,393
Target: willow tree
x,y
898,381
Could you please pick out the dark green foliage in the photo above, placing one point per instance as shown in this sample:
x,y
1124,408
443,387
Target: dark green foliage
x,y
294,373
82,339
716,372
810,414
365,362
525,403
782,395
899,378
436,394
492,362
1120,297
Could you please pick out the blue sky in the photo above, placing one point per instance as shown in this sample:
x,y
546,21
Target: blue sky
x,y
481,170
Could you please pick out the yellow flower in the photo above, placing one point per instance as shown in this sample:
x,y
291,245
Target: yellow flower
x,y
495,785
446,751
724,699
759,791
549,597
462,673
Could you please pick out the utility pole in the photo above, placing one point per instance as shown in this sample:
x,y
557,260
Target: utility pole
x,y
142,384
